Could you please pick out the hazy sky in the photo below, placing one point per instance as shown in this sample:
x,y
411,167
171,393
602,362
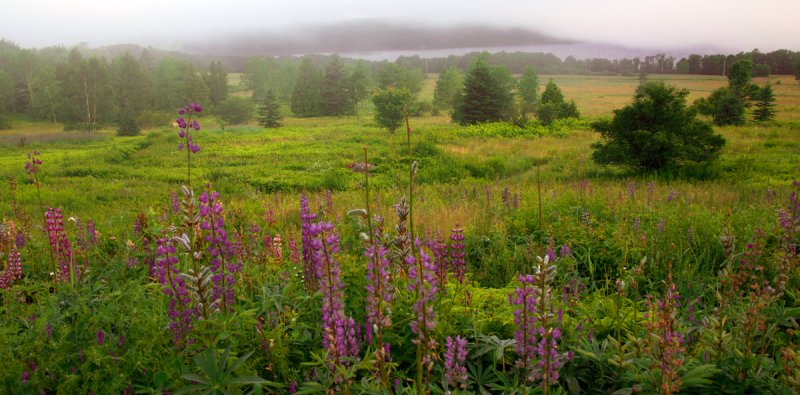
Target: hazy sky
x,y
726,24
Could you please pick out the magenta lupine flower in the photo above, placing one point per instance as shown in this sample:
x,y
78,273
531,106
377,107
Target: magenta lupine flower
x,y
48,330
455,354
422,282
19,240
457,255
181,312
353,338
551,250
379,290
101,337
306,219
33,163
60,246
223,263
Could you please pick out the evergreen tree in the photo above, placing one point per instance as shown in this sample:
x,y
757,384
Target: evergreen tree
x,y
656,131
306,100
269,113
217,83
334,95
553,106
528,89
485,99
765,104
739,76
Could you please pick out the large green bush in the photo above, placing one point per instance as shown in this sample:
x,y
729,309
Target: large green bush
x,y
656,131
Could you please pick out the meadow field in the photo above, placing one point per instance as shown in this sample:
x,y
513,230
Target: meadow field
x,y
681,282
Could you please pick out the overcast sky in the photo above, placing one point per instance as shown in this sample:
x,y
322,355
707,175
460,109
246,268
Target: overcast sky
x,y
726,24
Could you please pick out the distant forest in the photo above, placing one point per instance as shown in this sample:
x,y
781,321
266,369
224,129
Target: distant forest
x,y
84,87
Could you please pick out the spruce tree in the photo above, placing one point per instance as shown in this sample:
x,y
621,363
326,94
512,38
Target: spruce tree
x,y
485,99
528,89
765,104
269,113
334,93
306,97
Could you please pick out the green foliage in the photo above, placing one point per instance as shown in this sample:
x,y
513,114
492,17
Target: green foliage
x,y
448,87
528,90
724,106
765,104
216,81
401,76
334,98
269,113
5,123
390,106
235,110
127,127
739,76
486,98
553,106
217,375
177,83
306,99
656,131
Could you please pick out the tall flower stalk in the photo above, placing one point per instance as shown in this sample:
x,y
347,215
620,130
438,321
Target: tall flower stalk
x,y
181,312
186,125
455,355
223,264
379,290
422,282
32,166
60,247
309,270
538,331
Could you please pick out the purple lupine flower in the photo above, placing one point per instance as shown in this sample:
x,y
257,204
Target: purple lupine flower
x,y
176,203
181,312
422,282
632,189
60,246
455,354
379,290
457,255
306,219
671,195
91,233
224,264
100,337
185,126
526,335
551,249
334,325
565,251
537,335
353,338
19,240
440,260
48,330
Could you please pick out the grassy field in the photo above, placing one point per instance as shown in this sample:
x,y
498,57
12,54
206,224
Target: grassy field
x,y
514,198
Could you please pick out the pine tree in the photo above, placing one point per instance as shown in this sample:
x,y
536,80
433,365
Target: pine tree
x,y
269,113
334,95
306,100
485,98
765,104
